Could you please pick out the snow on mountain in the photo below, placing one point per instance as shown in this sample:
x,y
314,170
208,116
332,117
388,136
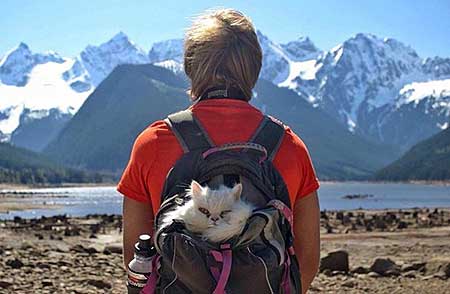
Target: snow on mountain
x,y
280,62
17,64
437,67
45,89
167,50
99,61
33,84
439,90
365,72
301,49
364,82
275,65
377,87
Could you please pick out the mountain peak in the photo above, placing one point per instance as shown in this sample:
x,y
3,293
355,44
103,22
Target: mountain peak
x,y
171,49
23,46
16,64
120,37
301,49
100,60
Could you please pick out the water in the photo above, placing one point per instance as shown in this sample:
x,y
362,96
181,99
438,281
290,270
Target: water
x,y
81,201
385,195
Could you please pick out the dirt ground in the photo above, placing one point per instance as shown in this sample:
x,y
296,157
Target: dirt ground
x,y
83,255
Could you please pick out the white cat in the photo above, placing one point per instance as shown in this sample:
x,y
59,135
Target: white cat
x,y
216,214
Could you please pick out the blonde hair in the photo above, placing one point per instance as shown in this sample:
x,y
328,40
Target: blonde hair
x,y
221,49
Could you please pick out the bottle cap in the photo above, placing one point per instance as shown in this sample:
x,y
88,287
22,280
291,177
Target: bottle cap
x,y
144,246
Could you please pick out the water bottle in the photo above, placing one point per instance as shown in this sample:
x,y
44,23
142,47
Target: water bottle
x,y
141,266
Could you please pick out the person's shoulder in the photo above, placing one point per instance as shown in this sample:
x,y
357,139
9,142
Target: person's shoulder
x,y
291,140
149,137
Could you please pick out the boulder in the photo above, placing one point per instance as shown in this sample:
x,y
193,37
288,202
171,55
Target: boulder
x,y
385,267
335,261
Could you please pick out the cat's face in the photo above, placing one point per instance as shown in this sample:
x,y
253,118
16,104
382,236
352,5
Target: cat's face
x,y
215,206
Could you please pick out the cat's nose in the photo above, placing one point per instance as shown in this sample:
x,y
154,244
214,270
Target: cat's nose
x,y
214,218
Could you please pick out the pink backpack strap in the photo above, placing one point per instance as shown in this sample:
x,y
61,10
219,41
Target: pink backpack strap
x,y
150,287
225,257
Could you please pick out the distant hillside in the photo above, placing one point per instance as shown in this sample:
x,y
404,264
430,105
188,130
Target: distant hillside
x,y
427,160
101,134
337,153
19,165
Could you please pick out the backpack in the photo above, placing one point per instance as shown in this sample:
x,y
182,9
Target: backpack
x,y
261,259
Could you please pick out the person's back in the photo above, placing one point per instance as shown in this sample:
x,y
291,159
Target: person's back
x,y
226,120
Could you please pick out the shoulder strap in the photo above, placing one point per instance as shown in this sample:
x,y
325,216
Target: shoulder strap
x,y
269,134
188,130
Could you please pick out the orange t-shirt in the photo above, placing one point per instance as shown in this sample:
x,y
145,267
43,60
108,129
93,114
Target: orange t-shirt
x,y
156,150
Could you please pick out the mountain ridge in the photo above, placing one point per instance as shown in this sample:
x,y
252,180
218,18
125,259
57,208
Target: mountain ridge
x,y
366,83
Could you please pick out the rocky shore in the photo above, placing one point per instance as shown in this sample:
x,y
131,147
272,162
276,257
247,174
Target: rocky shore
x,y
401,251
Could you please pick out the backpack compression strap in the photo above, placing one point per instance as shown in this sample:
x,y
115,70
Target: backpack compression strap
x,y
269,134
188,130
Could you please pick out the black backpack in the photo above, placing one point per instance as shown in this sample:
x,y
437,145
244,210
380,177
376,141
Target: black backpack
x,y
261,259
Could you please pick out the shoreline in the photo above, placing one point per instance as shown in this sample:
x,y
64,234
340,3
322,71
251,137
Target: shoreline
x,y
13,186
415,182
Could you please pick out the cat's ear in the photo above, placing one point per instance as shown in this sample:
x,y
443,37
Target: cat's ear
x,y
237,191
196,189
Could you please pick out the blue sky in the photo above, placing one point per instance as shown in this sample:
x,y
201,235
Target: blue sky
x,y
68,26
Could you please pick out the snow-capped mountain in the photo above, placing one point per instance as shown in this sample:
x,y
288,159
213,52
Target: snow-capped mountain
x,y
372,85
167,50
18,63
33,83
378,88
99,61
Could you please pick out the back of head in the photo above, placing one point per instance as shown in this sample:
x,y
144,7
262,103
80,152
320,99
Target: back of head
x,y
221,49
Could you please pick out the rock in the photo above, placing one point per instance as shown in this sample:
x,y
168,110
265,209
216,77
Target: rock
x,y
440,275
380,224
360,270
409,274
14,263
402,225
99,284
47,283
116,249
436,266
81,249
335,261
42,265
385,267
5,284
349,284
373,275
91,250
417,266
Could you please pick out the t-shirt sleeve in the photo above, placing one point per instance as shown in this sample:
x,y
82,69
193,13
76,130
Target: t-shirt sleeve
x,y
308,179
135,178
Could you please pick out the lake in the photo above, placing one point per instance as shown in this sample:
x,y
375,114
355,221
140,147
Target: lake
x,y
81,201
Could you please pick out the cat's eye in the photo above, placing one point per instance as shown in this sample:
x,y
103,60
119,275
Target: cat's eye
x,y
223,213
204,211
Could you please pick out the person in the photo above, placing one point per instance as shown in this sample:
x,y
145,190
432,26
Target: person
x,y
221,49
